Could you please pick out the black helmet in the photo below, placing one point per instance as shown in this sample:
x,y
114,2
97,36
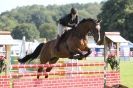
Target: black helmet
x,y
73,11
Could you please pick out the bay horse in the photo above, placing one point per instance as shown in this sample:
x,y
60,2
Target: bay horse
x,y
73,42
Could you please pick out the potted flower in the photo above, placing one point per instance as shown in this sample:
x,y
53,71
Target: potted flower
x,y
111,59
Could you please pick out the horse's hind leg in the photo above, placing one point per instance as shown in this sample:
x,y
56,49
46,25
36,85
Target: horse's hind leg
x,y
52,61
39,70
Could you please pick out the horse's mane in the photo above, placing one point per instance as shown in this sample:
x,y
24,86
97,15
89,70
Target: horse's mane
x,y
88,19
73,30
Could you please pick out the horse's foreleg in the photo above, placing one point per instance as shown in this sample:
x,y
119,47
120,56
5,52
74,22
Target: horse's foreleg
x,y
48,70
51,61
79,52
88,52
81,55
75,56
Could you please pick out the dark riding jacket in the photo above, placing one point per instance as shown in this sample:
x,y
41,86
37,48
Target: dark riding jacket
x,y
67,21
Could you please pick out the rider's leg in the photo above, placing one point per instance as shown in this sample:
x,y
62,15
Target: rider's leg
x,y
60,32
57,43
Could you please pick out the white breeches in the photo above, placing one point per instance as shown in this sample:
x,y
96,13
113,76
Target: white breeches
x,y
61,29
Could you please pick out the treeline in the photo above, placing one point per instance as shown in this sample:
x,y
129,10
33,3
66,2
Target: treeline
x,y
117,15
38,21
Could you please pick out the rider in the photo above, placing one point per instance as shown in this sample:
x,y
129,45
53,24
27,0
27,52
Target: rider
x,y
66,23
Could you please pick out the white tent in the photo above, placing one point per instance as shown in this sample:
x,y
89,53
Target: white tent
x,y
6,38
92,44
22,54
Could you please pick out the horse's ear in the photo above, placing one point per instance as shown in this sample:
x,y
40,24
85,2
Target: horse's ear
x,y
99,21
84,19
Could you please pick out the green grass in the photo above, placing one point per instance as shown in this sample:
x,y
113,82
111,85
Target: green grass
x,y
126,69
1,74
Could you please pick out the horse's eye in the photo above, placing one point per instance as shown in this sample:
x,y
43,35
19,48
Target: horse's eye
x,y
90,34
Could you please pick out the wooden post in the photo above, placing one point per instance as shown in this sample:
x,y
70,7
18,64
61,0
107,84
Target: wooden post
x,y
8,49
118,54
5,39
105,61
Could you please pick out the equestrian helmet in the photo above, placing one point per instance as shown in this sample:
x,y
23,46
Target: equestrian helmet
x,y
73,11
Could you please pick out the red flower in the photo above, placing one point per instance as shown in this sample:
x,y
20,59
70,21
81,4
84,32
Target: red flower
x,y
1,58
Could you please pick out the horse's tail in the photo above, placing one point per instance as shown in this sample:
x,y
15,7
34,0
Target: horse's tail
x,y
33,55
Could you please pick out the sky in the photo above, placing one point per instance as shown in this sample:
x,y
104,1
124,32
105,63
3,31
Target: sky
x,y
7,5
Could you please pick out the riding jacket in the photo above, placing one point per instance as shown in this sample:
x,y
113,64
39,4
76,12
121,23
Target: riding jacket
x,y
67,21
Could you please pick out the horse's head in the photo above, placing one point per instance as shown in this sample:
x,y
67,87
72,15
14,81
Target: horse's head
x,y
95,30
93,26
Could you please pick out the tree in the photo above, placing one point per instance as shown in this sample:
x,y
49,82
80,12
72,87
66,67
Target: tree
x,y
129,26
44,18
27,30
48,31
7,24
114,16
37,18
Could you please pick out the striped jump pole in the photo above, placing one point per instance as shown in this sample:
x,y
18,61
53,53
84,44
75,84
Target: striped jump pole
x,y
56,65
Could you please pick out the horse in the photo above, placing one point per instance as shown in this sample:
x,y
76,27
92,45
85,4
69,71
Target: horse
x,y
73,42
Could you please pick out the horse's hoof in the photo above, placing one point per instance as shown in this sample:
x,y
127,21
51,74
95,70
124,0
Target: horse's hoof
x,y
80,58
46,76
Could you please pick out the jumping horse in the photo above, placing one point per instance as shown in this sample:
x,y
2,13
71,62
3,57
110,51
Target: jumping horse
x,y
73,42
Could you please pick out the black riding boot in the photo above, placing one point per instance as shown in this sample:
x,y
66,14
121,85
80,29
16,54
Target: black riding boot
x,y
57,43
